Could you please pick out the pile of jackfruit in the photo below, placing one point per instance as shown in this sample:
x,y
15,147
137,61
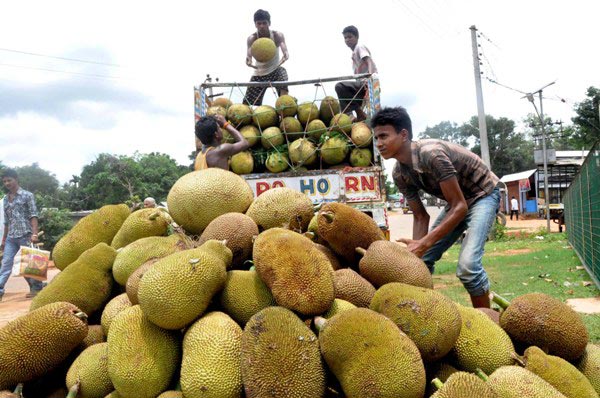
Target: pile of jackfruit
x,y
225,295
295,137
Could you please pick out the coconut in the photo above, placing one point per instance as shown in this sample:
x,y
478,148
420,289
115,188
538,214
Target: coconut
x,y
265,116
291,127
315,129
271,137
277,162
263,49
286,105
302,152
216,110
334,150
227,138
360,157
242,163
239,114
307,111
329,107
222,101
251,134
342,123
361,134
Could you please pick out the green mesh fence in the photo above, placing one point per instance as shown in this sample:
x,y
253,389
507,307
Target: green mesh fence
x,y
582,213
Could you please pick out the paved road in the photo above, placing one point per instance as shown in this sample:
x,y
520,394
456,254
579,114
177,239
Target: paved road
x,y
401,224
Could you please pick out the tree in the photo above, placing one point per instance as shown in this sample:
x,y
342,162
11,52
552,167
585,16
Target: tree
x,y
510,152
587,121
35,179
447,131
558,136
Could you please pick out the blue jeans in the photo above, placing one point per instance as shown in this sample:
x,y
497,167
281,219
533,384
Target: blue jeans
x,y
478,222
11,248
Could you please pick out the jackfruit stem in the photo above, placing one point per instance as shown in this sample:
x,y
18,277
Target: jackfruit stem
x,y
501,301
320,322
518,359
329,217
310,235
361,251
81,315
73,391
437,383
317,207
19,390
154,216
481,374
253,268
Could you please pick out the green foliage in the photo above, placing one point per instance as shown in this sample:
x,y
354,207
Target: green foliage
x,y
390,187
35,179
55,223
587,121
447,131
498,232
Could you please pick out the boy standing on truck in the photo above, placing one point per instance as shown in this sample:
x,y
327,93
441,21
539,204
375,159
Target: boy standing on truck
x,y
454,174
214,153
270,71
351,93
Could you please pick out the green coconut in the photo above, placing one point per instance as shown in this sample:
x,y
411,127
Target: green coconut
x,y
286,105
277,162
242,163
330,106
222,101
334,150
302,152
360,157
361,134
315,129
307,111
263,49
291,127
239,114
251,134
265,116
216,110
272,137
342,123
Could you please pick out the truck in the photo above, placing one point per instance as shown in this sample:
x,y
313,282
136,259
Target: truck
x,y
360,187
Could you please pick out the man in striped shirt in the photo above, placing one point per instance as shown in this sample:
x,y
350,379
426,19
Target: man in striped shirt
x,y
454,174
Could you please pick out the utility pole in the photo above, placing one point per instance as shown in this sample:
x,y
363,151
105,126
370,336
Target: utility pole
x,y
483,138
540,114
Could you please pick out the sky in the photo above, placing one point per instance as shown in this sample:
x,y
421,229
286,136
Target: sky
x,y
135,90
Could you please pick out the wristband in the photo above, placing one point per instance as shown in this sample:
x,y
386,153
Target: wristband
x,y
225,125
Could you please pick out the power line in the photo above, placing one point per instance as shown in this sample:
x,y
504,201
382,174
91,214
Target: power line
x,y
62,71
505,86
61,58
419,18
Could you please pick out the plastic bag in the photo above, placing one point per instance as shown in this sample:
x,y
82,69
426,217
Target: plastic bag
x,y
32,263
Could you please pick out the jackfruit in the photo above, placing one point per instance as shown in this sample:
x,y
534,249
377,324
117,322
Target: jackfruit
x,y
329,107
238,230
361,134
438,370
112,309
133,282
286,105
38,341
244,294
481,343
334,150
560,331
307,112
298,274
114,394
517,382
239,115
370,356
171,394
90,370
315,129
251,134
291,127
99,227
335,262
386,262
199,197
589,365
86,283
242,163
463,384
429,318
142,250
265,116
561,374
302,152
271,137
280,357
493,314
210,367
281,208
263,49
136,349
8,394
141,224
341,123
352,287
338,306
345,228
179,287
95,335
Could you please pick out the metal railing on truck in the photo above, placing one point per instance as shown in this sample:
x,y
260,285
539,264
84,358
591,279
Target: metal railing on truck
x,y
582,213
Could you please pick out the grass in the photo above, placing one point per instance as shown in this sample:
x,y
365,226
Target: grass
x,y
527,265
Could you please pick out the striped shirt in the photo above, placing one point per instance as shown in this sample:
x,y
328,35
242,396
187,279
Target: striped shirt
x,y
434,161
18,213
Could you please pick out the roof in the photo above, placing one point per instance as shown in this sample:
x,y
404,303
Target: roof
x,y
572,154
518,176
